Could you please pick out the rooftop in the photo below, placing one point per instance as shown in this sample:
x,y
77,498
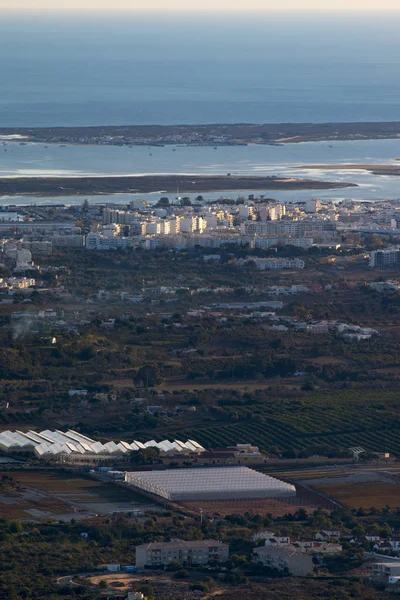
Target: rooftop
x,y
180,544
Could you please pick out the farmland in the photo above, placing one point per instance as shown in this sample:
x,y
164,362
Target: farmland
x,y
365,495
57,494
334,419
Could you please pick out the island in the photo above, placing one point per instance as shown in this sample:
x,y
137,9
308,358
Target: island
x,y
67,186
216,135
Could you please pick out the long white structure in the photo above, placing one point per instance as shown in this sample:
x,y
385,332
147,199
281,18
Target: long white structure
x,y
49,443
214,483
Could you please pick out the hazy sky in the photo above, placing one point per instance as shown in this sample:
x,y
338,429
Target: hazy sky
x,y
52,5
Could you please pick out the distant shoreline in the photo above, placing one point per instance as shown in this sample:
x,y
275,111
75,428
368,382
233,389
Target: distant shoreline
x,y
216,135
75,186
375,169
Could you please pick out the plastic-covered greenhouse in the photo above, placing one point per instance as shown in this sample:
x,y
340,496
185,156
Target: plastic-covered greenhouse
x,y
214,483
53,443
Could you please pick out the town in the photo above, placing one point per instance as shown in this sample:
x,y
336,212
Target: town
x,y
190,397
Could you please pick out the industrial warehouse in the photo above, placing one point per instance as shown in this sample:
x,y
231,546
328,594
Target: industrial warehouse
x,y
49,444
214,483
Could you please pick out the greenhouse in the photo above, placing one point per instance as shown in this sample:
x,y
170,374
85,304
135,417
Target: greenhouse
x,y
213,483
49,443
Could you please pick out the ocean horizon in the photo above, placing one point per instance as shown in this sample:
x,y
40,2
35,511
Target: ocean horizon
x,y
113,69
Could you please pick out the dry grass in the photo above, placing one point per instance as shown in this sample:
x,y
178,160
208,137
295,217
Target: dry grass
x,y
364,495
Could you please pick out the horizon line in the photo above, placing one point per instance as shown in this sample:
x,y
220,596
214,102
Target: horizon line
x,y
186,10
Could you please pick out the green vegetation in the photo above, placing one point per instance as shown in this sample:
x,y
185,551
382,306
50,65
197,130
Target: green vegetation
x,y
34,556
319,421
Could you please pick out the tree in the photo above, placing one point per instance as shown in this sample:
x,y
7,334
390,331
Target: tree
x,y
147,590
147,456
163,202
182,574
148,376
16,527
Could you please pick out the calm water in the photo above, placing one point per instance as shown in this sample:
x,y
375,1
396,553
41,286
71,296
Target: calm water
x,y
39,160
123,69
195,69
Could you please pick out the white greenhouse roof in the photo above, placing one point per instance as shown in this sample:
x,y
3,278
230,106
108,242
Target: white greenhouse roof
x,y
56,442
213,483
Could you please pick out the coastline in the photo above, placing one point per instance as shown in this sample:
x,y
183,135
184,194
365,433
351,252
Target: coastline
x,y
216,135
98,185
374,169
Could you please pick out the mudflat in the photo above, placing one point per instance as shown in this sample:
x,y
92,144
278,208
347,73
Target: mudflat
x,y
375,169
67,186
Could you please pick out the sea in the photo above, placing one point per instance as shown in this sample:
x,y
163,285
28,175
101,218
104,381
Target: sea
x,y
138,68
112,69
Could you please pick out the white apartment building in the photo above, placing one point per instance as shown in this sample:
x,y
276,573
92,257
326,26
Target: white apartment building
x,y
138,204
211,221
165,227
313,205
153,228
382,571
95,241
175,226
192,224
278,263
21,283
272,213
38,247
197,552
68,241
286,227
23,259
285,559
123,217
385,258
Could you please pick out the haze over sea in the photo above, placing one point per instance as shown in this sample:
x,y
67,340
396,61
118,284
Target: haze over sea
x,y
142,69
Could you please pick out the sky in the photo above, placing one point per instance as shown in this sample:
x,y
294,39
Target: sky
x,y
185,5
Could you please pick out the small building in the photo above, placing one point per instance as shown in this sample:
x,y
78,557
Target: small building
x,y
325,535
113,567
284,559
196,552
383,571
77,393
263,535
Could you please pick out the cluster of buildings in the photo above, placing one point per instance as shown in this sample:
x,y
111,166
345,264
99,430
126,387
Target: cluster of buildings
x,y
280,553
256,222
260,224
295,556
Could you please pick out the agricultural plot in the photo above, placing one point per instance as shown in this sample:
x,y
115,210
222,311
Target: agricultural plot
x,y
47,494
364,495
339,420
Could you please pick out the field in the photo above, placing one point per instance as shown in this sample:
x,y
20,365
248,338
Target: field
x,y
275,507
334,419
365,495
353,486
57,494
